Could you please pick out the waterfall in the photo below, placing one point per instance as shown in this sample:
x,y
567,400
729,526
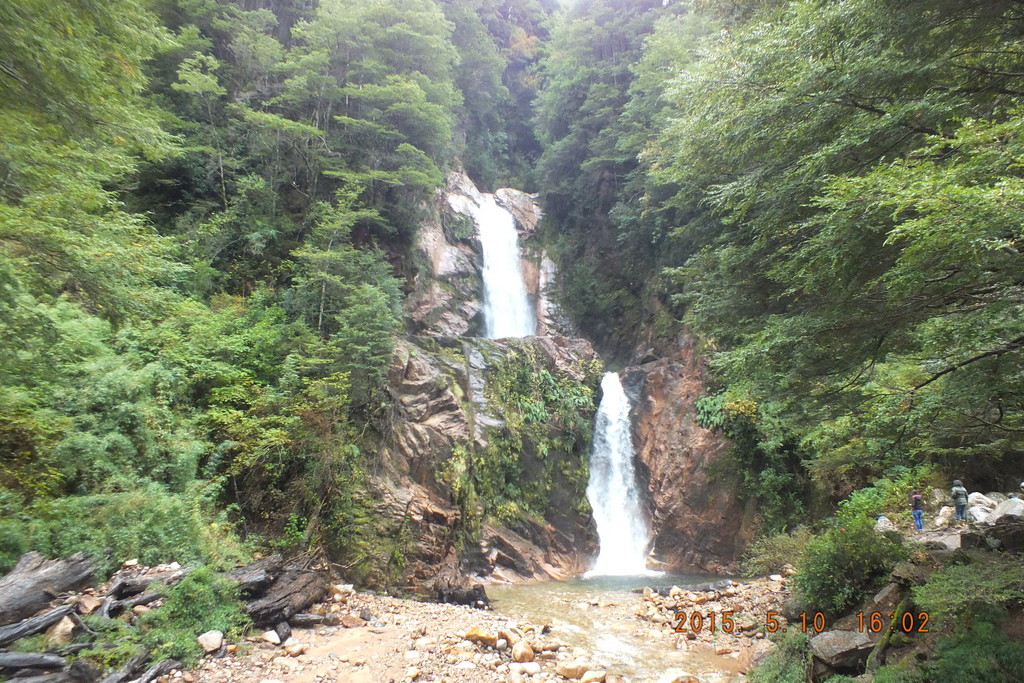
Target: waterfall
x,y
507,309
613,491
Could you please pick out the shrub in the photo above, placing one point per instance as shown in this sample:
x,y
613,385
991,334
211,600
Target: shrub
x,y
150,524
789,662
202,601
841,566
769,554
982,654
958,593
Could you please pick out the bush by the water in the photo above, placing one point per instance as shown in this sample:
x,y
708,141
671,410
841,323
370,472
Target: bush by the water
x,y
842,565
769,554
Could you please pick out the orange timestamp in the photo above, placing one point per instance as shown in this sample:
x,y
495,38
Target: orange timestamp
x,y
874,622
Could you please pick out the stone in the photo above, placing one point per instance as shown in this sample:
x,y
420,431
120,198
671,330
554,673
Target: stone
x,y
1012,510
61,633
531,668
351,621
271,637
685,678
501,645
522,652
508,635
211,641
980,499
593,677
842,649
978,513
412,673
775,577
943,517
573,670
481,635
87,604
294,648
424,643
139,610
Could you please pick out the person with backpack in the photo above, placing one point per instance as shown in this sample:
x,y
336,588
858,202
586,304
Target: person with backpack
x,y
959,494
917,509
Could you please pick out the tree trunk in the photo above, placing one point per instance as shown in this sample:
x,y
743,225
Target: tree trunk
x,y
293,592
35,581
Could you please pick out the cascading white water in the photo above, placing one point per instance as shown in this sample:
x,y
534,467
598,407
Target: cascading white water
x,y
613,491
507,309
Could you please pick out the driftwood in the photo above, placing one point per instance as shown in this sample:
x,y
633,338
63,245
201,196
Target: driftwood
x,y
130,667
80,671
30,660
111,608
13,632
157,670
306,620
455,589
294,591
254,578
125,586
35,582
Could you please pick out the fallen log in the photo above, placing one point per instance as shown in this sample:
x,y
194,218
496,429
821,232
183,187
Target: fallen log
x,y
29,627
254,578
125,586
157,670
130,667
294,591
306,620
111,608
35,582
80,671
31,660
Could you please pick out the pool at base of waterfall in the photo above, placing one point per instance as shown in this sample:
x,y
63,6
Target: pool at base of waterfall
x,y
597,618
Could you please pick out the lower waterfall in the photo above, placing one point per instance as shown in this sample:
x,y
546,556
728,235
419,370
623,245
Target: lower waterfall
x,y
613,491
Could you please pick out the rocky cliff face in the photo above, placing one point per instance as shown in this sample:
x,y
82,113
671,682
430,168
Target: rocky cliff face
x,y
442,450
447,291
698,522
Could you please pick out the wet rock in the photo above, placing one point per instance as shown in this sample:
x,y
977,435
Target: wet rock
x,y
211,641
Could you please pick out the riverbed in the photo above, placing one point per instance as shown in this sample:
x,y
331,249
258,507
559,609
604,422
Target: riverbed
x,y
599,616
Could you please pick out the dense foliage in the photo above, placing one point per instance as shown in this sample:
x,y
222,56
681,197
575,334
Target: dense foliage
x,y
206,209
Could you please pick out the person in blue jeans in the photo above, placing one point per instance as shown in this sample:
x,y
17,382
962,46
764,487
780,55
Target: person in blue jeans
x,y
959,494
917,509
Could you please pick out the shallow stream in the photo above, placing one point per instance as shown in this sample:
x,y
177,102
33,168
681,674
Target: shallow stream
x,y
598,615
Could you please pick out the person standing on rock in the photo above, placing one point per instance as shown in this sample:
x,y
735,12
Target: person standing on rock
x,y
959,494
917,509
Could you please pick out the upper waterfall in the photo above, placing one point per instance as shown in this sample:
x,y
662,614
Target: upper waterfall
x,y
613,491
507,308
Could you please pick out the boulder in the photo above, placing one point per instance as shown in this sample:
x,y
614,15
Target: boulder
x,y
1011,510
980,499
211,641
842,650
61,633
997,497
978,513
944,517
